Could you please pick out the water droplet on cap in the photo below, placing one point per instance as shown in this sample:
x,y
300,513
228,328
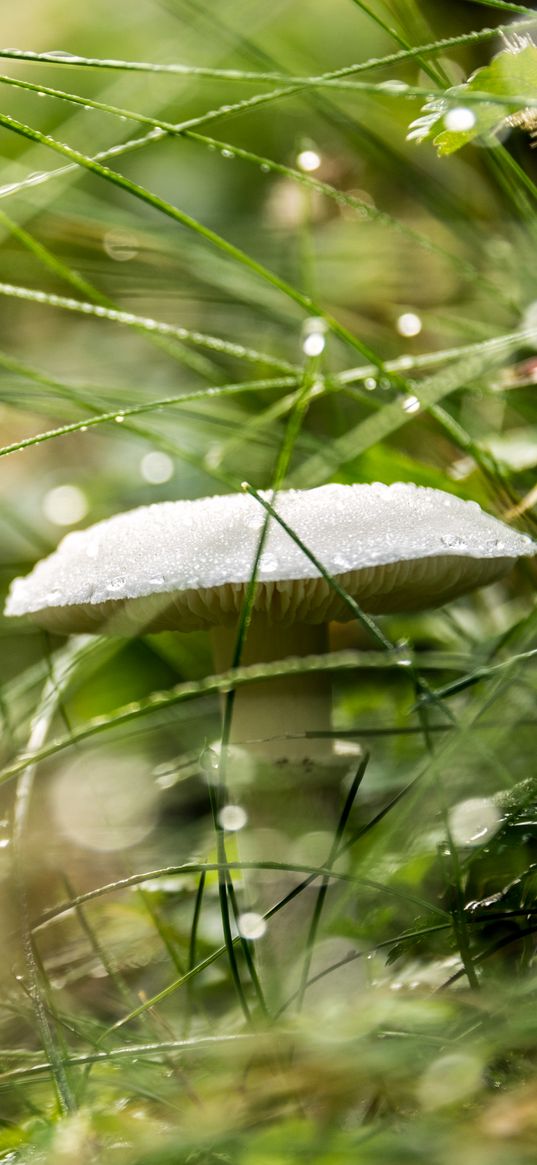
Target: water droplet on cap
x,y
268,562
116,583
453,541
255,522
93,547
54,596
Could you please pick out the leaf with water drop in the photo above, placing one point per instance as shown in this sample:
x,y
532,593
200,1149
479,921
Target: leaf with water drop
x,y
511,78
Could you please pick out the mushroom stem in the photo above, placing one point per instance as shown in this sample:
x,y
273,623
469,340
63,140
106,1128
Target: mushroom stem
x,y
271,717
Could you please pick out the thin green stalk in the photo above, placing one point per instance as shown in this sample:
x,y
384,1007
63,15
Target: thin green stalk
x,y
35,981
246,948
505,6
46,257
365,620
88,422
233,252
323,889
436,74
75,61
192,946
188,130
187,869
144,323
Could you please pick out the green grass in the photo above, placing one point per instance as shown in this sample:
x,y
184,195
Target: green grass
x,y
155,283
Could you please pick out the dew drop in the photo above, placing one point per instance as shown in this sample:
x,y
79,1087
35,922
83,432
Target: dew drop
x,y
156,467
459,120
404,659
472,820
61,55
120,245
65,505
308,161
93,547
453,541
409,324
268,562
251,925
313,344
232,818
393,86
255,522
314,336
410,404
116,583
54,596
370,383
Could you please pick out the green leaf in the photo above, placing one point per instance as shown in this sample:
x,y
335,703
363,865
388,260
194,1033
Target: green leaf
x,y
511,79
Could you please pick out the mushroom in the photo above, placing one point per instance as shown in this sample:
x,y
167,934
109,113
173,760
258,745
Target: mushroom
x,y
186,565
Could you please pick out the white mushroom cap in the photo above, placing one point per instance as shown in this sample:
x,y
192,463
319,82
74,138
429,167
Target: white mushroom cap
x,y
185,565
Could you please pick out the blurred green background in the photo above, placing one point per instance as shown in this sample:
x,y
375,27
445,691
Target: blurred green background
x,y
216,244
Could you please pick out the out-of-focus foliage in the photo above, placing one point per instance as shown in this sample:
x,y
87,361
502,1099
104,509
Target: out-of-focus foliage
x,y
185,185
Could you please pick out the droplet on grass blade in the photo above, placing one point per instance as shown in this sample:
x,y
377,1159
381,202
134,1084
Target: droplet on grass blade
x,y
251,925
314,336
232,818
411,404
313,344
